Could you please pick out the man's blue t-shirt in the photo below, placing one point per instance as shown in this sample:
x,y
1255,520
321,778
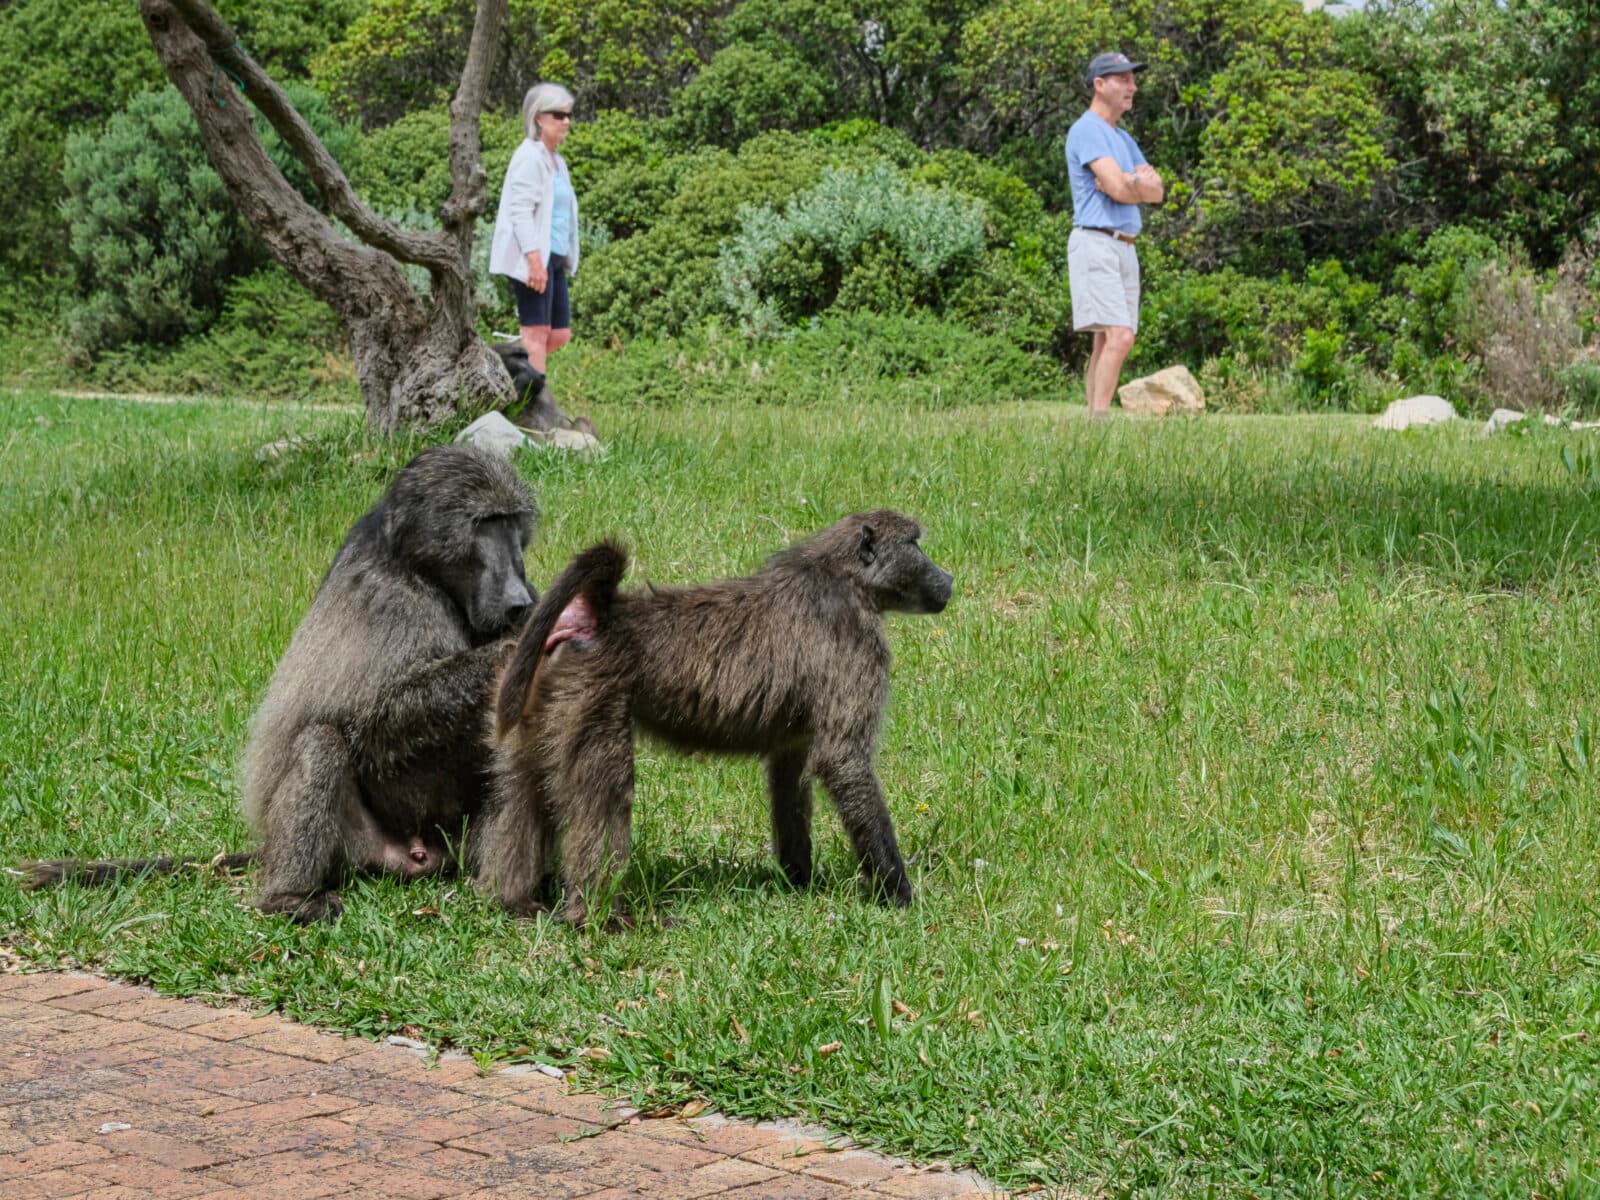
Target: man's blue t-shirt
x,y
1090,138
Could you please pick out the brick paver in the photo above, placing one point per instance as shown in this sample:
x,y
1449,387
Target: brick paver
x,y
112,1092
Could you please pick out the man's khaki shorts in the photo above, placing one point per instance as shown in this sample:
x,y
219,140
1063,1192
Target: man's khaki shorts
x,y
1104,274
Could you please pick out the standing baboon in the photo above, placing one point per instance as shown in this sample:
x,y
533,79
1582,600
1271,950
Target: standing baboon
x,y
369,749
791,663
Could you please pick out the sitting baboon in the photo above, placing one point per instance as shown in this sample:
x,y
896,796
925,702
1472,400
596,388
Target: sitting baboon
x,y
533,406
369,749
791,663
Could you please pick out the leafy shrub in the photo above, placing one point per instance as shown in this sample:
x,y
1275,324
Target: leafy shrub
x,y
746,90
654,284
859,238
1428,296
1526,332
629,194
406,165
154,235
272,340
916,359
403,56
661,281
870,139
1002,296
62,66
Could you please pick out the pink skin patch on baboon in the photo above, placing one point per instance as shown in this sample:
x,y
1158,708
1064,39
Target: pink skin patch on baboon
x,y
575,624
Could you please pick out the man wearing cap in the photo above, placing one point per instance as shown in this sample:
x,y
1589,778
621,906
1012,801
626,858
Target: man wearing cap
x,y
1110,179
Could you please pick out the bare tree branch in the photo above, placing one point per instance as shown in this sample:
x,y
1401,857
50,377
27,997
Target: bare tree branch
x,y
469,190
435,251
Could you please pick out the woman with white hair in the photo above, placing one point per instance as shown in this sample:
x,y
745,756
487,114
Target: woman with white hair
x,y
536,228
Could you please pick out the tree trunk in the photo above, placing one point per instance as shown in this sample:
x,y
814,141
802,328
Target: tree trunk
x,y
419,359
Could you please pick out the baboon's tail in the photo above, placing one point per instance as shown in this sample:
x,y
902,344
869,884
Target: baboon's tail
x,y
592,575
36,875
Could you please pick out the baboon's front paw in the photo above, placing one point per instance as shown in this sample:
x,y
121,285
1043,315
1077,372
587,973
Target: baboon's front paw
x,y
895,893
799,876
318,906
324,908
526,907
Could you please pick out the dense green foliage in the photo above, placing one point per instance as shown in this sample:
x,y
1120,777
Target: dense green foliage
x,y
155,238
68,67
1248,784
1404,198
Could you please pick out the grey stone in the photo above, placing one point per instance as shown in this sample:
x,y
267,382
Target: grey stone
x,y
493,432
273,451
1500,418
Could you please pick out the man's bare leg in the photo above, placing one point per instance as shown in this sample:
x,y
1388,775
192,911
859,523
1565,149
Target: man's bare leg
x,y
1097,344
1111,348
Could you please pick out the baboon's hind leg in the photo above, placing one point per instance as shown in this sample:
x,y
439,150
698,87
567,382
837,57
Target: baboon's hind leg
x,y
790,792
510,846
304,851
596,800
853,785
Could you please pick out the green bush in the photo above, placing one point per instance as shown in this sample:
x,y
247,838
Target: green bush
x,y
747,90
62,67
1578,388
861,239
1428,295
68,67
654,284
154,235
405,56
1002,296
406,165
908,359
272,340
624,173
662,281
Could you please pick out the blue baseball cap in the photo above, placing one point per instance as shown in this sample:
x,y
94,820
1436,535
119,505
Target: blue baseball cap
x,y
1115,63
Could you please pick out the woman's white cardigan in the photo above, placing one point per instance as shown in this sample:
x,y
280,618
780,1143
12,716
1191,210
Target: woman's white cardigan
x,y
523,221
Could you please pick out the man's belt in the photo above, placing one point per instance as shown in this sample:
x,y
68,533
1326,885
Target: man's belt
x,y
1116,233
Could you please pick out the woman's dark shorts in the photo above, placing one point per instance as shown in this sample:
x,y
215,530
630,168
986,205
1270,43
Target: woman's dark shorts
x,y
549,307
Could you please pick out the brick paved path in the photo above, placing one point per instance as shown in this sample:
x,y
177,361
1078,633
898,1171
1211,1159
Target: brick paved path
x,y
113,1092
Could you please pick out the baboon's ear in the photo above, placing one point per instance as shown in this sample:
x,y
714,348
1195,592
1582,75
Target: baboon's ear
x,y
869,546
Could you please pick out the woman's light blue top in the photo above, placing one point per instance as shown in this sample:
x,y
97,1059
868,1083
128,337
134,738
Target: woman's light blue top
x,y
561,210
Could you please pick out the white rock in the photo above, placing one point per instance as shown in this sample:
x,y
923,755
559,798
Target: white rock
x,y
494,432
1169,390
1500,418
273,451
1416,410
574,439
113,1127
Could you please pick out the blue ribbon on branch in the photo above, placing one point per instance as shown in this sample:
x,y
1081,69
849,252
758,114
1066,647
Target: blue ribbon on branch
x,y
222,69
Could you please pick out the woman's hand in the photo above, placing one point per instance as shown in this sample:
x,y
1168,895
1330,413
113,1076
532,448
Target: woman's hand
x,y
538,276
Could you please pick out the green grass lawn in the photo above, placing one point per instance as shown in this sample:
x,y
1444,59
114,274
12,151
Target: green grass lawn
x,y
1248,785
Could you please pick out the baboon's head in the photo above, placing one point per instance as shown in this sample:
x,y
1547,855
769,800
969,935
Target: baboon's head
x,y
462,517
900,577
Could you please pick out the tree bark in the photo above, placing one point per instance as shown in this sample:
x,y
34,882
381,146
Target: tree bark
x,y
419,359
